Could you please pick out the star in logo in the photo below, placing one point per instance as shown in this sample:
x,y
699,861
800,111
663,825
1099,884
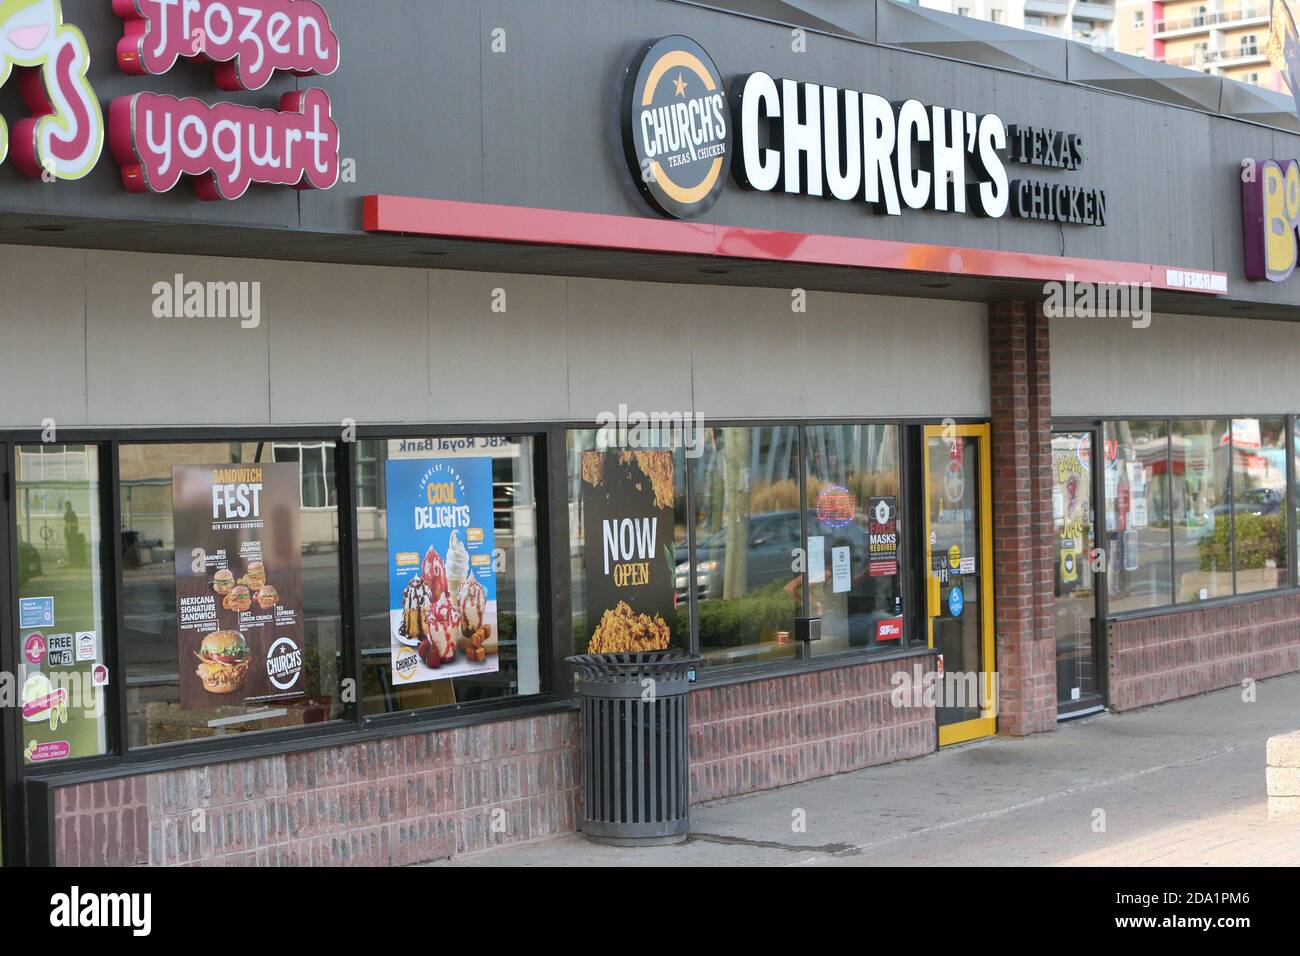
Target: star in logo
x,y
680,85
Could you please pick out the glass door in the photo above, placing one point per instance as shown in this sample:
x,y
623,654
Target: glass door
x,y
1078,685
959,578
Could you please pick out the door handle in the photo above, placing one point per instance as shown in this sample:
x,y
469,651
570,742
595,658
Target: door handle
x,y
933,586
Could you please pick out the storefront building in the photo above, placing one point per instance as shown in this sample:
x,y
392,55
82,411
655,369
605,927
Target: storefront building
x,y
361,367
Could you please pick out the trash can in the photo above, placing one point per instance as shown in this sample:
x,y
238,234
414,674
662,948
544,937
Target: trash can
x,y
636,789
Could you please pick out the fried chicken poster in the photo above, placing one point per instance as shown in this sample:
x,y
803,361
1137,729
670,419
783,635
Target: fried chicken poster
x,y
239,620
631,564
442,592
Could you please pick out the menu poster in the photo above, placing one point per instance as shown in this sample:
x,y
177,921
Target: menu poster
x,y
631,562
882,540
442,591
239,617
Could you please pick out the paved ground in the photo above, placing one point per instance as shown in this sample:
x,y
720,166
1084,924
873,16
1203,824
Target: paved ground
x,y
1176,785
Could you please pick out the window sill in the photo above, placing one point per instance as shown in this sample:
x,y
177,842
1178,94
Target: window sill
x,y
1168,610
335,734
723,677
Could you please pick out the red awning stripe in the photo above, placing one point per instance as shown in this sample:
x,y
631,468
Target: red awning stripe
x,y
483,222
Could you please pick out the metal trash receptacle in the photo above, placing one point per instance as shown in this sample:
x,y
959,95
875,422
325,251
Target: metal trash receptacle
x,y
635,748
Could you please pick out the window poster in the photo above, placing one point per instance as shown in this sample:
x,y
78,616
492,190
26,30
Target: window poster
x,y
817,560
631,567
841,574
882,530
442,592
239,595
62,711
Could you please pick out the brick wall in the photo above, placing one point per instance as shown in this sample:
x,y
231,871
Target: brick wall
x,y
769,733
431,796
382,803
1020,382
1168,656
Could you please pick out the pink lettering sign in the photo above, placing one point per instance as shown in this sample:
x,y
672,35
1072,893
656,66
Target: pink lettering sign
x,y
157,139
34,709
58,750
63,134
248,40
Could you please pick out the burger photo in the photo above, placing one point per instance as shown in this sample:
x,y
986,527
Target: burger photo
x,y
255,576
223,581
267,597
239,599
223,662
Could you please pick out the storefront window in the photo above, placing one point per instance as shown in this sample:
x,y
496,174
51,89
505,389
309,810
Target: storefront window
x,y
448,571
231,589
854,536
628,544
1202,510
1137,515
1260,503
748,541
317,460
62,673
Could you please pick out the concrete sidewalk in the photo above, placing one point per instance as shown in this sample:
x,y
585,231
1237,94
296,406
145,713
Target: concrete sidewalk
x,y
1180,784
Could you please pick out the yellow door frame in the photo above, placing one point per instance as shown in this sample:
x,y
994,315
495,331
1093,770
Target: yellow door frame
x,y
987,723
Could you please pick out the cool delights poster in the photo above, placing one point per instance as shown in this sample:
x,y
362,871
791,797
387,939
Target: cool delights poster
x,y
442,592
631,568
238,583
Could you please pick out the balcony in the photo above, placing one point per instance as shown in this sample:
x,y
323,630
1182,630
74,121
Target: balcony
x,y
1195,61
1206,21
1047,8
1230,56
1100,12
1239,55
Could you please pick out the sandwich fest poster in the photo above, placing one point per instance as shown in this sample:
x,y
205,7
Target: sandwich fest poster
x,y
239,620
442,592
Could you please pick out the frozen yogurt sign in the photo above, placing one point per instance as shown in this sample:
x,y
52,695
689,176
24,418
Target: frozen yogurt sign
x,y
63,135
226,147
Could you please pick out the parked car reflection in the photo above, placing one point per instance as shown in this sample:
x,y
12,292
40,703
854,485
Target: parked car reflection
x,y
770,553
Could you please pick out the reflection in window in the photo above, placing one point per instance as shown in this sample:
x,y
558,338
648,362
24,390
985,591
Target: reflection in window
x,y
1259,496
1137,514
226,682
853,503
503,664
747,536
61,618
317,460
1202,511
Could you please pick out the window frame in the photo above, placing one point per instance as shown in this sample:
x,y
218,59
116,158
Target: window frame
x,y
353,726
910,438
1291,421
548,662
27,790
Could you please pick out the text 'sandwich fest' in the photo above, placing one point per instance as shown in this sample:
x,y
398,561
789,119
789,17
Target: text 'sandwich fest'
x,y
239,612
677,129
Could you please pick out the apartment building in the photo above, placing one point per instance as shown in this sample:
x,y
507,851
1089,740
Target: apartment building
x,y
1087,22
1221,37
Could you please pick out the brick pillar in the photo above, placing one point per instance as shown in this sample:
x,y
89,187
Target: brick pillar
x,y
1020,382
